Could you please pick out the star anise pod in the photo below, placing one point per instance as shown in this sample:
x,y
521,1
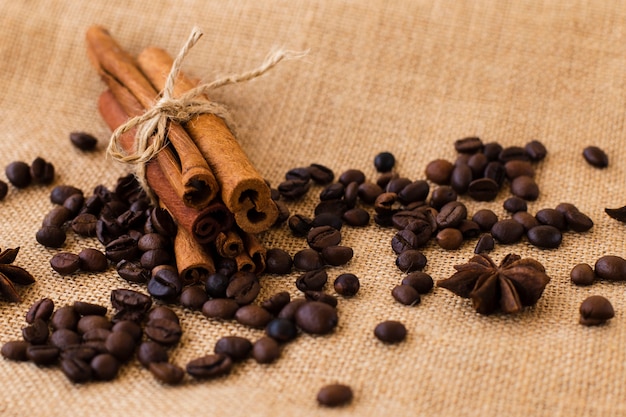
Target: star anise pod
x,y
12,274
515,283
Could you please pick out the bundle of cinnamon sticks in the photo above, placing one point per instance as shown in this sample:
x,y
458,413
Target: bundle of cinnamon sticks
x,y
202,177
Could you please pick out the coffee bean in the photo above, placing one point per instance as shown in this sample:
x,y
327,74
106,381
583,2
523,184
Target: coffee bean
x,y
527,220
105,367
220,308
320,237
316,317
163,312
42,354
495,171
94,338
405,240
485,244
334,395
515,204
265,350
525,187
151,352
545,236
132,271
321,297
4,190
551,217
282,330
485,219
402,218
575,219
123,299
41,309
384,161
451,214
449,238
51,237
85,225
492,150
56,217
356,217
299,225
390,331
289,310
167,373
421,281
352,175
65,263
15,350
87,323
163,331
154,258
611,267
293,189
308,260
76,370
442,195
83,141
439,171
301,173
350,194
411,260
596,310
312,280
18,174
347,285
64,318
405,294
332,191
129,327
477,164
594,156
92,260
414,192
122,345
276,302
327,219
397,184
517,168
368,192
60,193
82,352
236,348
209,366
461,178
165,283
535,150
470,144
193,297
74,203
582,274
483,189
511,153
253,316
321,174
86,309
243,287
337,255
507,231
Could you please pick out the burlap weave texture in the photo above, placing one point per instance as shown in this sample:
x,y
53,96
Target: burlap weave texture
x,y
409,77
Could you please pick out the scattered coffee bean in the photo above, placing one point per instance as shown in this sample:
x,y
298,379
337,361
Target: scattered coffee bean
x,y
611,267
41,309
390,331
282,330
337,255
582,274
193,297
265,350
334,395
122,345
76,370
595,310
308,260
316,317
18,174
411,260
105,366
83,141
507,231
535,150
90,322
485,219
42,171
253,316
545,236
525,187
165,283
384,162
166,372
596,157
64,317
514,204
52,237
406,294
220,308
236,348
209,366
347,285
421,281
276,302
243,287
151,352
485,244
527,220
439,171
483,189
65,263
15,350
92,260
312,280
449,238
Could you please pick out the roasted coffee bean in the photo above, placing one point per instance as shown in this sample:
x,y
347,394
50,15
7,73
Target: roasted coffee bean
x,y
322,297
525,187
535,150
351,194
470,144
483,189
414,192
439,171
18,174
575,219
308,260
151,241
51,237
56,217
477,164
332,191
92,260
451,214
63,338
209,366
411,260
83,352
163,331
253,316
94,338
265,350
165,283
406,294
105,367
123,299
449,238
383,220
312,280
129,327
485,244
461,178
60,193
122,248
132,271
582,274
193,297
93,205
41,309
334,395
15,350
65,263
283,213
163,222
545,236
517,168
151,352
421,281
87,323
384,161
293,189
83,141
64,317
299,225
289,310
385,178
36,333
276,302
220,308
596,157
337,207
347,285
469,229
86,309
84,225
163,312
243,287
390,331
527,220
514,204
76,370
42,354
356,217
507,231
495,171
397,184
512,153
405,240
442,195
167,373
122,345
352,175
74,203
596,310
485,219
611,267
551,217
236,348
154,258
4,190
301,173
386,203
401,219
368,192
327,219
321,174
316,317
337,255
216,283
492,150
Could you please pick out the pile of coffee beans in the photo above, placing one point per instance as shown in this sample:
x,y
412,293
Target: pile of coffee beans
x,y
21,175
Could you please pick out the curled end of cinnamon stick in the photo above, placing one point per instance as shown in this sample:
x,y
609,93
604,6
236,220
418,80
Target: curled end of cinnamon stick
x,y
199,188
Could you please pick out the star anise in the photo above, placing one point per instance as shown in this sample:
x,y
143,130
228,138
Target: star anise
x,y
12,274
515,283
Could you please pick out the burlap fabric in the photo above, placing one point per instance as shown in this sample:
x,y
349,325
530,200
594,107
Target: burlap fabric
x,y
407,77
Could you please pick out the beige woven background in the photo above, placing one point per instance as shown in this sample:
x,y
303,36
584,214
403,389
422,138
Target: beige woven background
x,y
409,77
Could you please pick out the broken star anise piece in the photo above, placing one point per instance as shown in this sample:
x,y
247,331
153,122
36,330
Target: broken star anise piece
x,y
515,283
12,274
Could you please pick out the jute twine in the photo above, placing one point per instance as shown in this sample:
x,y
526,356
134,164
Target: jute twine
x,y
151,136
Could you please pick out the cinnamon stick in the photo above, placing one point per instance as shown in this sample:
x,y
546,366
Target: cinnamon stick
x,y
256,251
192,260
243,190
204,225
229,244
117,68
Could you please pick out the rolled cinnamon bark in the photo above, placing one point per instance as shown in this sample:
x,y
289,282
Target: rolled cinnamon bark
x,y
229,244
242,188
192,260
198,185
204,225
256,251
